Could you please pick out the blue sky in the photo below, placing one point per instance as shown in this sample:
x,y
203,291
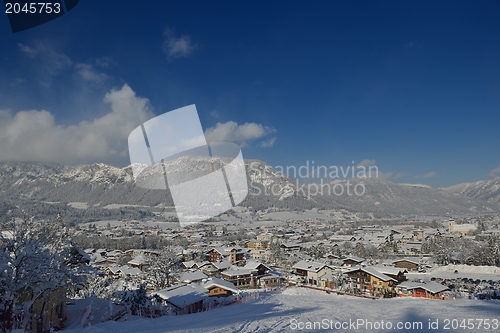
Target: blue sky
x,y
413,88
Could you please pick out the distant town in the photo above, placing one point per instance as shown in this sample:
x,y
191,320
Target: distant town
x,y
153,268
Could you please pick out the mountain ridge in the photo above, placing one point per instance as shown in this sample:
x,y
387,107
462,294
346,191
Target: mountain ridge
x,y
100,185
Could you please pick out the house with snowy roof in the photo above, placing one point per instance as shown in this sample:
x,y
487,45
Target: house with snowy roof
x,y
138,262
429,289
219,287
311,271
410,264
241,278
216,254
183,298
192,275
352,261
122,271
367,279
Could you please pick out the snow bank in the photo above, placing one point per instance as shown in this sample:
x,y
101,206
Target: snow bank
x,y
469,269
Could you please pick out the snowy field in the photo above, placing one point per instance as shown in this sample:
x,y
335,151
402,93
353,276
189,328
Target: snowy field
x,y
287,311
464,271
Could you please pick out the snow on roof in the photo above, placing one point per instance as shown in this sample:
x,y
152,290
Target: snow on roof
x,y
188,264
372,271
430,286
139,260
220,250
183,295
312,266
354,258
389,270
125,270
414,261
203,263
191,276
216,282
220,265
253,264
239,272
291,245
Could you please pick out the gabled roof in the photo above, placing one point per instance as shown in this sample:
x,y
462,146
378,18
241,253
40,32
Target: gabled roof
x,y
390,270
221,265
192,275
219,250
311,266
430,286
354,258
124,270
188,264
239,272
290,245
203,264
413,261
371,271
251,264
216,282
139,260
183,295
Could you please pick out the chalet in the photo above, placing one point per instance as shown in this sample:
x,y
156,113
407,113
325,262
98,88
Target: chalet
x,y
269,281
188,264
193,275
115,272
184,299
291,247
219,288
261,254
241,278
235,255
367,279
397,274
222,265
258,267
206,267
217,254
411,248
139,262
430,289
352,261
258,244
312,271
407,263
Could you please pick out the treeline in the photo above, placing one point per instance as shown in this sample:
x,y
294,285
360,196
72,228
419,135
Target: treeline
x,y
464,251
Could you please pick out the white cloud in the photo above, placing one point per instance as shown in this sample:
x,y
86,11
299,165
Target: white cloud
x,y
431,174
495,172
366,163
215,114
49,62
392,176
88,73
267,143
35,136
177,47
238,134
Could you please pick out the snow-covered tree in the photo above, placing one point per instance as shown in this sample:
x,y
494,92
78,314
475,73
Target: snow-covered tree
x,y
36,259
160,268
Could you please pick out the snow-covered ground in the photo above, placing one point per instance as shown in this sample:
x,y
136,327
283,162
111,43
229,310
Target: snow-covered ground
x,y
287,311
464,271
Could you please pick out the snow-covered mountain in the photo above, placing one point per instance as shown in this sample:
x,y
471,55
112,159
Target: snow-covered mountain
x,y
99,185
488,190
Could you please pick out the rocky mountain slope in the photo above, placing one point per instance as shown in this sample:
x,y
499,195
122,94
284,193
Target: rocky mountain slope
x,y
487,190
98,185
